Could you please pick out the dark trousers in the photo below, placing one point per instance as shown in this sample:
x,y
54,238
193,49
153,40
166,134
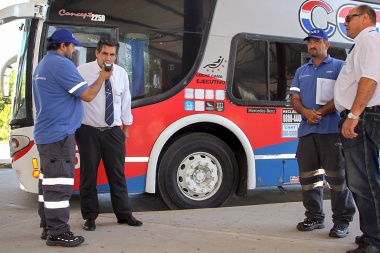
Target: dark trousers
x,y
363,174
108,145
55,185
319,156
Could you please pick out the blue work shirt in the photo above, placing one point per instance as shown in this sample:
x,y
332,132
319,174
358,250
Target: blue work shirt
x,y
305,85
57,85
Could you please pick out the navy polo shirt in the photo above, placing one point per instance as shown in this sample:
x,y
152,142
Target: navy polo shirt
x,y
305,85
56,89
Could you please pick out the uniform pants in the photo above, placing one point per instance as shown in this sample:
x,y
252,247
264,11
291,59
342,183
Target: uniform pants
x,y
320,156
55,185
108,145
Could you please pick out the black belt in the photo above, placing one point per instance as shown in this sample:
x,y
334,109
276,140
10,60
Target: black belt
x,y
101,128
373,108
370,108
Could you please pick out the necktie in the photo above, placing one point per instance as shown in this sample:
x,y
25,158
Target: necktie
x,y
109,102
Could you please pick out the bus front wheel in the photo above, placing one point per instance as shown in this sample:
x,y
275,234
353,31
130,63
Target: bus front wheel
x,y
197,171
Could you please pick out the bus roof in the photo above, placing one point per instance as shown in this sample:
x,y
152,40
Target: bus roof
x,y
30,9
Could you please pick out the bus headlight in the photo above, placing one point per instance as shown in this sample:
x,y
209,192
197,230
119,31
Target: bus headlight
x,y
17,142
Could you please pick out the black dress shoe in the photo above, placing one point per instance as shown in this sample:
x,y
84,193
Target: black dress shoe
x,y
131,221
359,239
89,225
365,248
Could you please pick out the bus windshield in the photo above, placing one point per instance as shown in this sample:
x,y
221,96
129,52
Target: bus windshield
x,y
157,49
19,108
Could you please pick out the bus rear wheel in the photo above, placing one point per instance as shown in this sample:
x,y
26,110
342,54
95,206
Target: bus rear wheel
x,y
197,171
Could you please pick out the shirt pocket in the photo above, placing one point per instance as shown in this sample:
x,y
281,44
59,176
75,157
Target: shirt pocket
x,y
117,97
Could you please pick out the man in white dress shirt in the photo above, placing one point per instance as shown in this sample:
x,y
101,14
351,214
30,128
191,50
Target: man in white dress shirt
x,y
103,136
357,96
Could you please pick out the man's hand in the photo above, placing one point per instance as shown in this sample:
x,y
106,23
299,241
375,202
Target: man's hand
x,y
125,130
104,75
313,117
348,128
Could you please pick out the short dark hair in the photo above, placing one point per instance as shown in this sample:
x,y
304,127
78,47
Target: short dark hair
x,y
111,42
363,8
55,46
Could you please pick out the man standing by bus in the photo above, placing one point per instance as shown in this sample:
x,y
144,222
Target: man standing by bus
x,y
319,152
101,137
58,90
357,96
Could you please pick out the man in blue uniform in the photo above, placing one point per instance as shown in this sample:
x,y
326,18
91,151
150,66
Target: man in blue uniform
x,y
58,91
319,152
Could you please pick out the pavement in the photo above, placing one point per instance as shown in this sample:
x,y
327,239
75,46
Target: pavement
x,y
264,228
259,229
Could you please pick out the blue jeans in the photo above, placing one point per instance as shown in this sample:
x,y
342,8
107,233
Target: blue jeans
x,y
362,172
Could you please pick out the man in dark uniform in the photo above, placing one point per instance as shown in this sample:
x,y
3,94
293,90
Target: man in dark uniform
x,y
319,151
58,91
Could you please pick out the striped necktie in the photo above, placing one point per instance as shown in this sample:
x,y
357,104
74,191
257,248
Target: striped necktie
x,y
109,102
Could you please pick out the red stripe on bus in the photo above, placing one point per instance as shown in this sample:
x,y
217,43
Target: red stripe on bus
x,y
22,152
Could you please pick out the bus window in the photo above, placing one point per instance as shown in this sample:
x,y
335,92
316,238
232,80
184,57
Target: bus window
x,y
250,78
159,40
160,50
89,36
264,69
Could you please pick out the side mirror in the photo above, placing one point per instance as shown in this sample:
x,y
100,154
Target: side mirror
x,y
4,76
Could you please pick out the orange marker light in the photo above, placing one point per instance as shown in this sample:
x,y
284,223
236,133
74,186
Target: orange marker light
x,y
36,172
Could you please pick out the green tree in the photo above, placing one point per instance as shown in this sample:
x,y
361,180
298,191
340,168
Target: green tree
x,y
5,110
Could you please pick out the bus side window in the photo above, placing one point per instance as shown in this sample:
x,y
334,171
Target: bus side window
x,y
256,60
283,66
249,80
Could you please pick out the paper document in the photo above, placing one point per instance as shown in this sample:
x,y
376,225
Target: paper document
x,y
325,90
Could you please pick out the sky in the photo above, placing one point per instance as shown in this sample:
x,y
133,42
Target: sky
x,y
10,35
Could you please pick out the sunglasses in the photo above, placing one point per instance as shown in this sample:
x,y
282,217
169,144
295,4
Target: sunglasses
x,y
349,17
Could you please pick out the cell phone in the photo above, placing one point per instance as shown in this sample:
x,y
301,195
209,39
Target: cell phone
x,y
107,66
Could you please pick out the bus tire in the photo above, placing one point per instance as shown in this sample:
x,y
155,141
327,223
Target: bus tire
x,y
198,170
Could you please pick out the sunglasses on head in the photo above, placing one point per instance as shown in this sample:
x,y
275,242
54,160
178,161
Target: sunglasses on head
x,y
349,17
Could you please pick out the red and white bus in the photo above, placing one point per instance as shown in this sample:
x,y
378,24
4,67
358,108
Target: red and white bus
x,y
209,83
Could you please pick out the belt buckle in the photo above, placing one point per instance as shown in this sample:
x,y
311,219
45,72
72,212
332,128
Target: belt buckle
x,y
102,129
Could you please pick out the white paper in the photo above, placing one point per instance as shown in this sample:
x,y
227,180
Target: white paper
x,y
325,90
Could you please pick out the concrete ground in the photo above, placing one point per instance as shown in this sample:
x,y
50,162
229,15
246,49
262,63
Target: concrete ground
x,y
260,228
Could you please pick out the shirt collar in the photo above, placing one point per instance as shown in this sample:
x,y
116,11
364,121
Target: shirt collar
x,y
363,32
95,67
326,60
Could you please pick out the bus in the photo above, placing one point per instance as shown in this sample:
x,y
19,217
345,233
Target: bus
x,y
209,83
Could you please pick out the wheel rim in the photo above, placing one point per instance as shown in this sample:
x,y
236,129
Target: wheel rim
x,y
199,176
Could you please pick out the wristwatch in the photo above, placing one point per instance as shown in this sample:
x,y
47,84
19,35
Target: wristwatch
x,y
352,116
